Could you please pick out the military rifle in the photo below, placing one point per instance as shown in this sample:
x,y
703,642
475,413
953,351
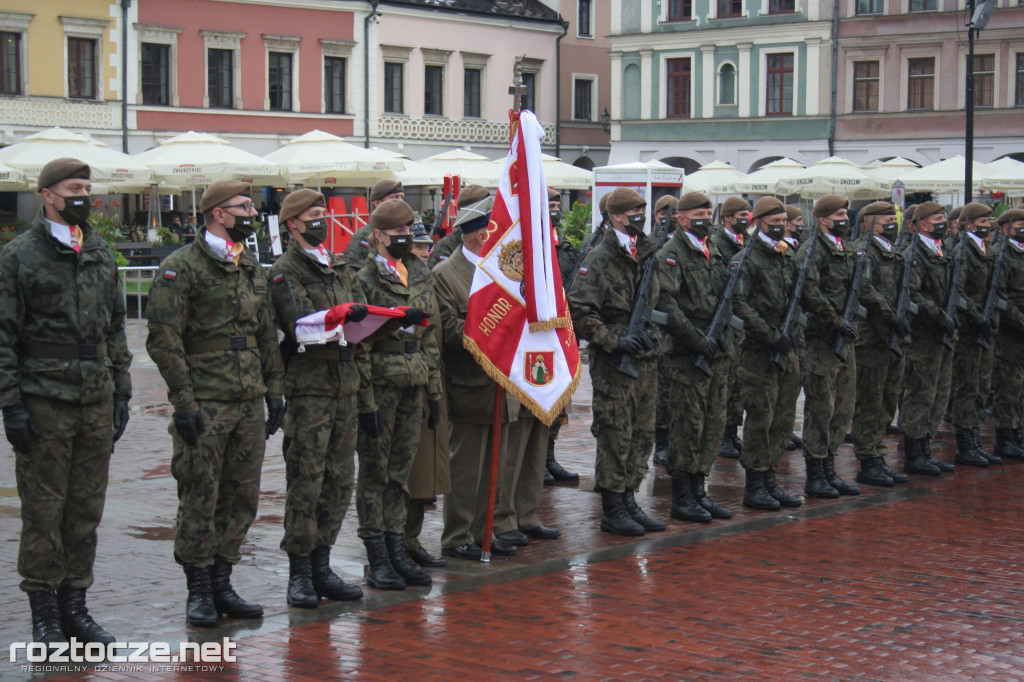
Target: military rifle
x,y
852,308
723,316
585,247
953,302
903,303
992,300
642,311
437,228
793,312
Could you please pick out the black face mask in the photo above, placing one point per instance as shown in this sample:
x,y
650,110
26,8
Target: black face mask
x,y
316,231
635,224
741,225
400,246
76,210
982,231
840,227
776,232
700,228
242,229
939,230
891,231
556,218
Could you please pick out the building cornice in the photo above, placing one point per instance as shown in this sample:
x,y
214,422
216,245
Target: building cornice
x,y
522,24
757,35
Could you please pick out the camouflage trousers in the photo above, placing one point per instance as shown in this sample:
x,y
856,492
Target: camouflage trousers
x,y
925,386
624,414
1008,404
466,505
62,483
320,442
218,481
382,494
829,394
698,419
879,378
769,396
969,395
734,400
663,418
414,516
987,363
521,474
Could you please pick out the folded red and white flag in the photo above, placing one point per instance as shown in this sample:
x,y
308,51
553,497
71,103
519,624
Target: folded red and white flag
x,y
329,326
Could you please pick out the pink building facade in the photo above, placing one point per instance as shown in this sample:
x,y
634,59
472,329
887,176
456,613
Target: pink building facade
x,y
585,83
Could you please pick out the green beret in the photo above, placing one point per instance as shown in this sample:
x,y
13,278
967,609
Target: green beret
x,y
1013,215
382,188
391,214
928,208
733,205
878,208
909,212
766,206
470,194
553,195
221,191
62,169
602,205
829,204
692,200
622,199
793,212
955,213
298,201
974,210
667,200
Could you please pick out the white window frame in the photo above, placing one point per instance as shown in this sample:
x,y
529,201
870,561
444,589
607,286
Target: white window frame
x,y
474,60
591,35
395,54
341,49
593,95
852,11
17,22
932,50
663,18
90,29
535,66
865,55
765,10
961,89
1014,48
663,79
434,57
286,45
735,84
713,11
223,40
160,35
762,85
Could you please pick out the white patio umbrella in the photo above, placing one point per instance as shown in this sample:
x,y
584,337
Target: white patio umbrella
x,y
12,179
835,175
194,159
1010,178
415,173
713,178
112,171
892,169
318,158
765,180
561,175
944,177
1007,163
473,169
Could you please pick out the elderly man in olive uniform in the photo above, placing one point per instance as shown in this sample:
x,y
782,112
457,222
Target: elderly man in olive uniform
x,y
1007,415
601,298
879,368
213,337
442,251
64,388
968,355
769,392
735,214
664,207
692,275
321,384
359,249
405,381
929,361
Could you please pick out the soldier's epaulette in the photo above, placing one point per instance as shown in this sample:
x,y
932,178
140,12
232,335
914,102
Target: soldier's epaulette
x,y
170,274
671,261
278,278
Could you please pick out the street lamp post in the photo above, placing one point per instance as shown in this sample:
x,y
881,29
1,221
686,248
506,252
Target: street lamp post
x,y
969,103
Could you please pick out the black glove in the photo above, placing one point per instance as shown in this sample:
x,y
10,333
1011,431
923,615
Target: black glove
x,y
985,329
902,328
275,415
370,424
189,425
356,312
948,323
120,415
414,316
849,330
434,418
20,428
783,345
710,349
994,322
630,344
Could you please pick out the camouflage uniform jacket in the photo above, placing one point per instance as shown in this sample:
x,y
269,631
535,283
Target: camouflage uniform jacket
x,y
603,292
300,286
724,243
51,295
198,299
444,248
762,295
879,292
1011,288
929,288
828,281
400,369
690,284
358,250
567,253
975,276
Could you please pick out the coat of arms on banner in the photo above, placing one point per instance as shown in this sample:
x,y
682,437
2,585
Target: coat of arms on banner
x,y
539,367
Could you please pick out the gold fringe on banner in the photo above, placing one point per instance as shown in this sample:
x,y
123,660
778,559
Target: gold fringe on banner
x,y
553,323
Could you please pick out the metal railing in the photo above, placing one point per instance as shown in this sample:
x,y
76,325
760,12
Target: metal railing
x,y
137,275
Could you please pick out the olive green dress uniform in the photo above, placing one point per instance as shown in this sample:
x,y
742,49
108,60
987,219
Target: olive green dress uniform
x,y
729,246
321,384
975,275
213,336
1009,342
64,354
444,248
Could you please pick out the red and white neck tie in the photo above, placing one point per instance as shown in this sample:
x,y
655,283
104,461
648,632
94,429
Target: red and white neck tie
x,y
632,247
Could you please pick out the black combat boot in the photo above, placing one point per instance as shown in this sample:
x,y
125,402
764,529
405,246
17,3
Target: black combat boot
x,y
684,506
300,582
828,467
817,485
326,582
199,609
965,453
403,565
661,447
46,627
75,618
225,598
944,467
615,519
556,470
728,448
772,488
1006,445
896,476
754,494
872,473
916,461
382,574
701,495
639,515
980,449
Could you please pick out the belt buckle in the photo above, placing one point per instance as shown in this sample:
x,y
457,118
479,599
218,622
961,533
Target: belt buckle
x,y
87,351
238,343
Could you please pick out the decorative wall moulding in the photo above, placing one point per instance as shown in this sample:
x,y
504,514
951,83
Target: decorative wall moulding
x,y
454,130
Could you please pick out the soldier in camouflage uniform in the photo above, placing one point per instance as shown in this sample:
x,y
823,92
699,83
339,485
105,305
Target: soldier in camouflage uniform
x,y
664,207
1009,343
405,377
358,249
769,393
692,275
321,384
968,356
879,369
471,194
213,336
64,388
735,214
929,361
601,298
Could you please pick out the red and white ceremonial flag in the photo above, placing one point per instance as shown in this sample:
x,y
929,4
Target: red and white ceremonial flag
x,y
517,324
331,326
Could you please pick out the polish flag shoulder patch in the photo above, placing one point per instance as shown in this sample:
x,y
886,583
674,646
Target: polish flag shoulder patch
x,y
170,274
278,278
583,271
363,243
671,261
